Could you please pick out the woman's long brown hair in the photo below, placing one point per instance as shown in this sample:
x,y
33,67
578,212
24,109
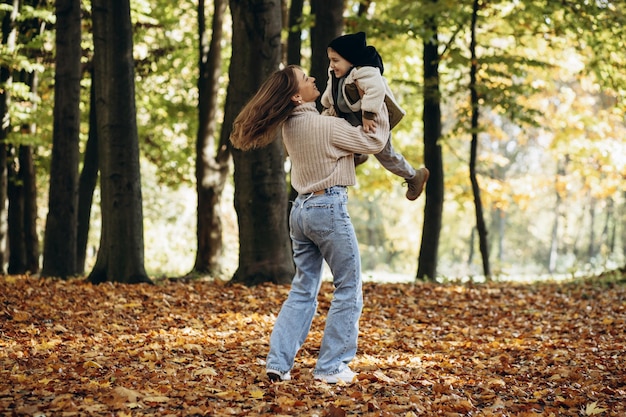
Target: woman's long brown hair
x,y
258,121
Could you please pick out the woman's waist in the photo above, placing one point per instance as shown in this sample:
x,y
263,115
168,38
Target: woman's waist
x,y
333,190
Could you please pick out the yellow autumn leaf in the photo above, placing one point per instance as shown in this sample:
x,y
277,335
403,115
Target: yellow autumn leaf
x,y
204,371
496,382
21,316
257,394
156,399
91,364
592,409
230,395
126,394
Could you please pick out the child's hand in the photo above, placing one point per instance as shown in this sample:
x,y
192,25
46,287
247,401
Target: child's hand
x,y
369,125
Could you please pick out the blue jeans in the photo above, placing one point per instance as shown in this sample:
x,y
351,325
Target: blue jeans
x,y
321,229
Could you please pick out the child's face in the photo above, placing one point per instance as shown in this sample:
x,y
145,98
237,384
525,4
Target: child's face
x,y
338,64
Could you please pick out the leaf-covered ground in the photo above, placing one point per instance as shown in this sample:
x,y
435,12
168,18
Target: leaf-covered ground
x,y
183,349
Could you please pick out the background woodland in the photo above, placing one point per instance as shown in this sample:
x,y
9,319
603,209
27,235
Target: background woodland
x,y
115,162
115,166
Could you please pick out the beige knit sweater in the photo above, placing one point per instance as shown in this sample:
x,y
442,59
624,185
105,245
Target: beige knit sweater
x,y
321,147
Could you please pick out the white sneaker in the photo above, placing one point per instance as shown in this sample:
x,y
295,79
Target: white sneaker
x,y
346,376
276,376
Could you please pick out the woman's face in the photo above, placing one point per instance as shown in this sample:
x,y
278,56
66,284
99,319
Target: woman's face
x,y
308,91
338,64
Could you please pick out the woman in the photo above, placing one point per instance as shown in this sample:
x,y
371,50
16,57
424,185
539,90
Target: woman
x,y
321,150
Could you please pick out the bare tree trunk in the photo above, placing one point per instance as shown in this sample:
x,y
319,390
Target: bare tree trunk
x,y
21,185
481,227
499,225
87,184
60,242
554,239
121,253
260,183
294,37
427,260
4,224
22,196
29,181
328,25
211,160
622,221
591,249
608,231
364,6
16,233
9,34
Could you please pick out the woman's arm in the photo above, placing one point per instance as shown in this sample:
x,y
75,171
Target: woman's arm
x,y
355,139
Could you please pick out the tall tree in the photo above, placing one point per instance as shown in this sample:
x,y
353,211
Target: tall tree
x,y
622,222
87,183
9,34
260,183
328,25
22,181
481,227
433,210
294,30
60,244
211,160
121,252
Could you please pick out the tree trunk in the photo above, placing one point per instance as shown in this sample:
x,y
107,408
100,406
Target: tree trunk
x,y
328,25
16,233
427,260
499,224
60,244
554,236
29,184
4,224
22,195
294,36
211,160
23,241
260,184
481,227
608,231
622,220
591,248
121,253
8,41
87,183
364,6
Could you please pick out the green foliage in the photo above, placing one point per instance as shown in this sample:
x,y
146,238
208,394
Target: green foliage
x,y
528,52
166,53
27,60
552,84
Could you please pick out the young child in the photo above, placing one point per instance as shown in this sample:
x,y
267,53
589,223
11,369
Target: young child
x,y
356,90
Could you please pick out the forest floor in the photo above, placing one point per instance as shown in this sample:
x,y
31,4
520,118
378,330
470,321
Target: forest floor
x,y
68,348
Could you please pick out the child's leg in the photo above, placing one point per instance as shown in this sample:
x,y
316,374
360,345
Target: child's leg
x,y
394,162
